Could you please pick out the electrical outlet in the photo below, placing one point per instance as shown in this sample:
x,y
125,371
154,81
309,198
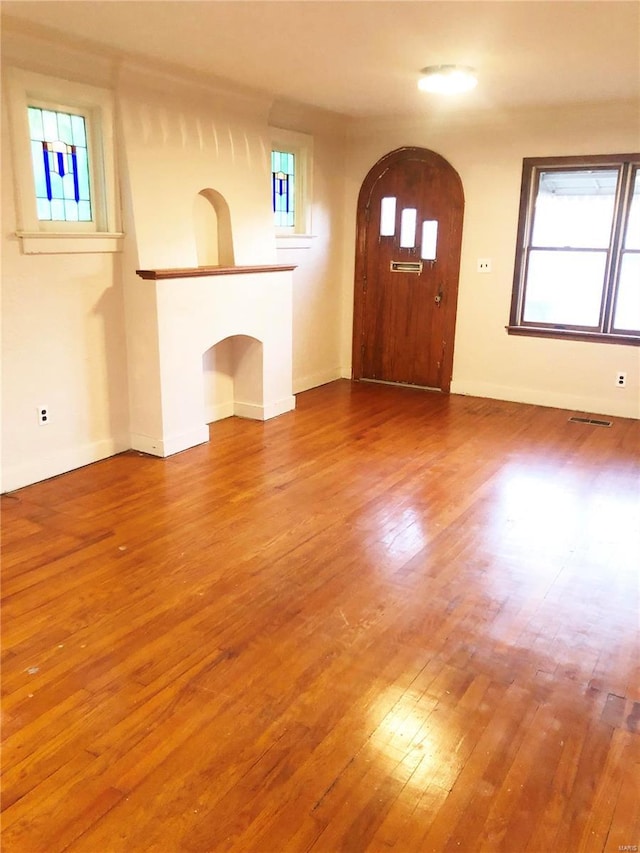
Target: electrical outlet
x,y
43,415
484,265
621,380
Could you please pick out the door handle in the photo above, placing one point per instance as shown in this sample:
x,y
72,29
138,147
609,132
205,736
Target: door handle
x,y
438,299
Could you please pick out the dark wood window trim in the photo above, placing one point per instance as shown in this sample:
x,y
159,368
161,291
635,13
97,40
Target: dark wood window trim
x,y
629,166
573,335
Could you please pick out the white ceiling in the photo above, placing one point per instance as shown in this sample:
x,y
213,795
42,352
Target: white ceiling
x,y
362,57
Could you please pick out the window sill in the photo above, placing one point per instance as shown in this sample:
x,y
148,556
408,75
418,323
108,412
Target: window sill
x,y
573,335
294,241
58,243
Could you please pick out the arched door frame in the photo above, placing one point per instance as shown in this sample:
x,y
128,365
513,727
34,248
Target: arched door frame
x,y
363,211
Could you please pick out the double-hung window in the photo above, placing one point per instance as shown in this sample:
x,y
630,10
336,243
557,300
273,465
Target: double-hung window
x,y
577,272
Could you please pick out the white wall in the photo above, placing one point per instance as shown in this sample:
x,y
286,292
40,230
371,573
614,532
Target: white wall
x,y
63,336
180,138
65,341
487,150
318,284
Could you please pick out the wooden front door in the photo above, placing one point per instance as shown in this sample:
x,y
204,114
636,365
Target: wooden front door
x,y
409,233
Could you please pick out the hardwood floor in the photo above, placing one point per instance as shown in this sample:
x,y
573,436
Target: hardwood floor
x,y
388,621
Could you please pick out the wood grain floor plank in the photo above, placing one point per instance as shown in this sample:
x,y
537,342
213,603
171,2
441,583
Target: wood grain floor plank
x,y
387,621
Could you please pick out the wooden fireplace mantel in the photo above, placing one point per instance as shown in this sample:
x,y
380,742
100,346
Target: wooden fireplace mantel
x,y
197,272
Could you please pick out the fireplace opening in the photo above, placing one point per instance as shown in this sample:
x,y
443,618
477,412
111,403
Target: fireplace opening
x,y
232,378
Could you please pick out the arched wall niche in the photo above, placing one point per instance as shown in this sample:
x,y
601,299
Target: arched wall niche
x,y
232,372
212,227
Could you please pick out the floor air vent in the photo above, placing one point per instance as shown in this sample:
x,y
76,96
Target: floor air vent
x,y
592,421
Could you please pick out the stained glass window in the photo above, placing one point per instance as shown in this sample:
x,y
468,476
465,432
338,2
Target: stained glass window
x,y
60,165
283,188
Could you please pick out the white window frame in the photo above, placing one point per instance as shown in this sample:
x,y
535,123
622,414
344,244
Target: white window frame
x,y
301,146
103,233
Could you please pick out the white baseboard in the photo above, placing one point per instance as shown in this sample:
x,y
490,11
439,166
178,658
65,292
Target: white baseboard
x,y
279,407
627,407
60,462
172,444
313,380
218,411
256,412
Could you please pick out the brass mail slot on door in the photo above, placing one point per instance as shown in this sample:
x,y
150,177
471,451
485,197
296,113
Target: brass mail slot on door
x,y
406,266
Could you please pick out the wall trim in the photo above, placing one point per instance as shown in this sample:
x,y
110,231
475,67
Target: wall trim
x,y
264,413
313,380
627,408
52,243
61,462
218,411
173,444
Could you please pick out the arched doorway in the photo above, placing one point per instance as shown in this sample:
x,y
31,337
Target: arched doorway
x,y
409,235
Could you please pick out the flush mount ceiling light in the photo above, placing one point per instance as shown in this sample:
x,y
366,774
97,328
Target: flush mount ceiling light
x,y
447,79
